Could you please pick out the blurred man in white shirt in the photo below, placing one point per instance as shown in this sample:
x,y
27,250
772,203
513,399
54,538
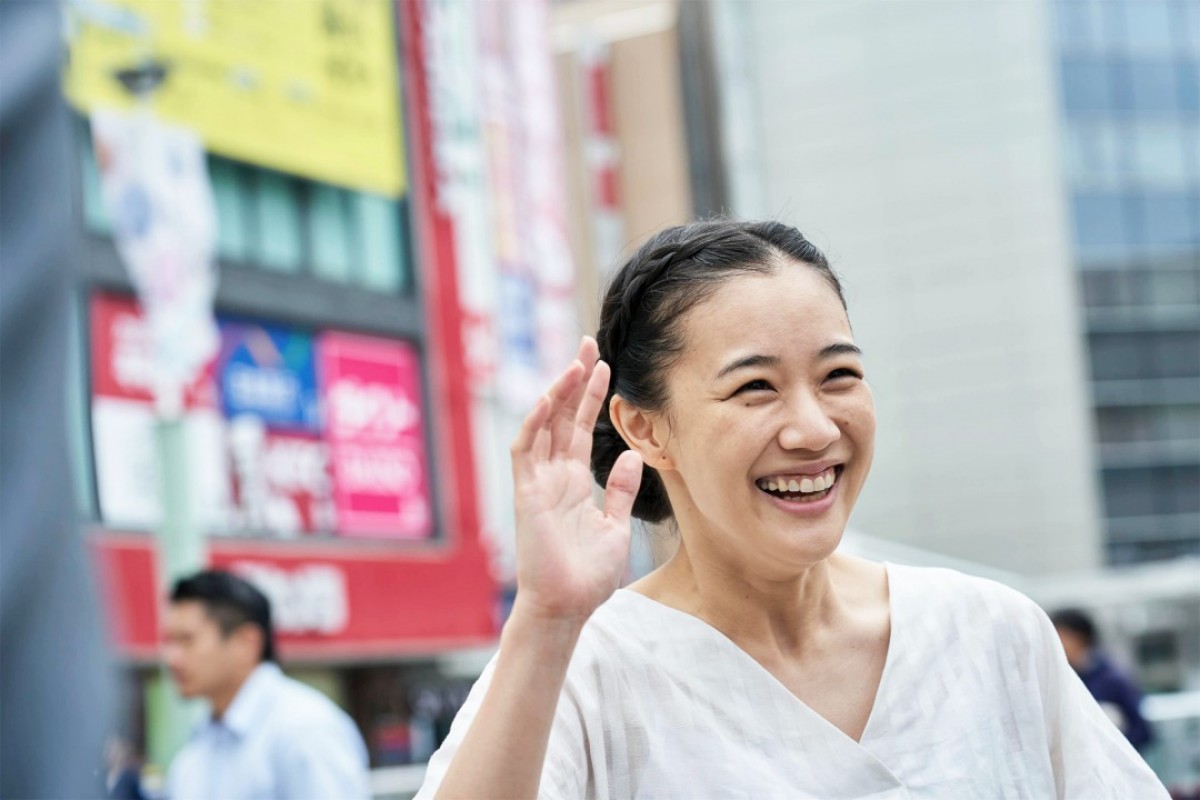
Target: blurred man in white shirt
x,y
267,735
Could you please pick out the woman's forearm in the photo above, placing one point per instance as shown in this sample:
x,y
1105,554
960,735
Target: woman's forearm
x,y
502,754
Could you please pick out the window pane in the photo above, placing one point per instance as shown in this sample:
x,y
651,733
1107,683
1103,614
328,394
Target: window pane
x,y
1169,221
1179,287
1085,83
1116,356
1092,154
381,248
230,196
1100,229
1079,24
278,243
1104,288
1182,495
1148,26
1158,154
1187,72
329,227
1130,492
1176,354
1148,84
1182,423
1188,11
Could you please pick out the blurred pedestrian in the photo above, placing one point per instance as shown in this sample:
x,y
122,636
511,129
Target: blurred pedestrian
x,y
124,780
57,686
1115,691
267,735
724,393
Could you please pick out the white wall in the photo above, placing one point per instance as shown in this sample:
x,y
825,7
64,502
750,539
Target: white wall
x,y
917,143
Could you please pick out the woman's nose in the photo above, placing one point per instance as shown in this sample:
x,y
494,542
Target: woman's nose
x,y
808,426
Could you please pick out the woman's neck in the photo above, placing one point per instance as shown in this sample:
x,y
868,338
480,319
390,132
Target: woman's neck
x,y
784,614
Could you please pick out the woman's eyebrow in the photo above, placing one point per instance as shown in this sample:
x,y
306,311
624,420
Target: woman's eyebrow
x,y
748,361
840,349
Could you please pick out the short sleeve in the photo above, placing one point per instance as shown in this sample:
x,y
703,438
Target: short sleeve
x,y
564,774
1091,758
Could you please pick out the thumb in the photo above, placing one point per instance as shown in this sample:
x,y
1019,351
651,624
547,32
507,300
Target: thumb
x,y
622,488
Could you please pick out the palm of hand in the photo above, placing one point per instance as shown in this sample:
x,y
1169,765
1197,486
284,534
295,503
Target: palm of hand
x,y
570,552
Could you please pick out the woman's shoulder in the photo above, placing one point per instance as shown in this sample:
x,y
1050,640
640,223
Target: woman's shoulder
x,y
974,596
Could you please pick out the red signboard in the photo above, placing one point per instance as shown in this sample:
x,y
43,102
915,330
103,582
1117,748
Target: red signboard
x,y
328,602
375,433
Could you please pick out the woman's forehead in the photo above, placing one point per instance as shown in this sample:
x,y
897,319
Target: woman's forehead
x,y
784,309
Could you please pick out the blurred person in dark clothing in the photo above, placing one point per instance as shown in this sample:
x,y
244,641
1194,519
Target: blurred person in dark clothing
x,y
267,735
124,780
1115,691
56,686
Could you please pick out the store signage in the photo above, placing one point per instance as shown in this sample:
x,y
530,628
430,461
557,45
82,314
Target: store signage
x,y
311,598
123,419
374,426
268,372
328,601
307,88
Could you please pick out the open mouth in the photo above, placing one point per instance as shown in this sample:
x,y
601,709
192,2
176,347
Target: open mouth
x,y
801,488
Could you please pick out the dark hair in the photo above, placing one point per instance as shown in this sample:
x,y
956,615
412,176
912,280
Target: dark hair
x,y
639,333
229,601
1076,621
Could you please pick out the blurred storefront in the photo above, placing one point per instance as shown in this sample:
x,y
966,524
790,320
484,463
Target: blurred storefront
x,y
395,283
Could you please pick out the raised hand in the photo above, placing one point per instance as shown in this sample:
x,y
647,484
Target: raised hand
x,y
570,552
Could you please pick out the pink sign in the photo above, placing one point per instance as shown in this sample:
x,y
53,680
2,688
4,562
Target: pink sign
x,y
374,426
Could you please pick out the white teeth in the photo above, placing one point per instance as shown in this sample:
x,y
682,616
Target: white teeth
x,y
806,485
793,486
812,485
820,483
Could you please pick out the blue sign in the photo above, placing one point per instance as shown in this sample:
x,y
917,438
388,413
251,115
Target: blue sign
x,y
269,372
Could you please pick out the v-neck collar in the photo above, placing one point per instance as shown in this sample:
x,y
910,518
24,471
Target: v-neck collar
x,y
739,653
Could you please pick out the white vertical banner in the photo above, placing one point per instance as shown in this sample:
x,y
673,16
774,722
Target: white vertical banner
x,y
155,184
545,185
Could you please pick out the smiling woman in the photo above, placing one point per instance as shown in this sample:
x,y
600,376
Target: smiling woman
x,y
725,392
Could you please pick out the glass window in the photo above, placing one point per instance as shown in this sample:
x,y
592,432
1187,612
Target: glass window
x,y
1131,492
1100,221
382,265
1104,288
1148,84
1148,26
229,194
329,231
279,244
1086,83
1158,158
1183,497
1079,24
1188,13
1169,221
1121,424
1116,356
1170,287
1093,156
1176,353
1182,423
1187,71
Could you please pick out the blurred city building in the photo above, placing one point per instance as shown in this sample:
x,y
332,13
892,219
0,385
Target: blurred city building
x,y
419,204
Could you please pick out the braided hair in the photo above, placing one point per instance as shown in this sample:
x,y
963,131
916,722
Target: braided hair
x,y
640,333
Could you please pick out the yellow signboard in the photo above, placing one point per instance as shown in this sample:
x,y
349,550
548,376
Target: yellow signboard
x,y
308,87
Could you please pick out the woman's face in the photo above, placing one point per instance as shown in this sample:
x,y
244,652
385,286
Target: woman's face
x,y
770,425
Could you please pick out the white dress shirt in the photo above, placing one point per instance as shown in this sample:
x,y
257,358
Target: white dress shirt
x,y
976,701
278,739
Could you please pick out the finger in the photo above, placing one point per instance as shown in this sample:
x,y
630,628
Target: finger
x,y
589,351
568,393
589,409
622,488
533,427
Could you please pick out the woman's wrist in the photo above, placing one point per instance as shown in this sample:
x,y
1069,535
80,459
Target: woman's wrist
x,y
530,625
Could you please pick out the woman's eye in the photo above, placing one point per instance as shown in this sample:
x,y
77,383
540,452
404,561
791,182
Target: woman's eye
x,y
844,372
754,386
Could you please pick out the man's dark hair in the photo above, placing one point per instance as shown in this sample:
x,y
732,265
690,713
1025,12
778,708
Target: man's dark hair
x,y
1078,622
229,601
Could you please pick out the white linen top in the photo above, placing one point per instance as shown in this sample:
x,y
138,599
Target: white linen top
x,y
976,701
278,739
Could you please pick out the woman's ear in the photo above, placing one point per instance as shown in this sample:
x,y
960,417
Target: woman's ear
x,y
645,433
